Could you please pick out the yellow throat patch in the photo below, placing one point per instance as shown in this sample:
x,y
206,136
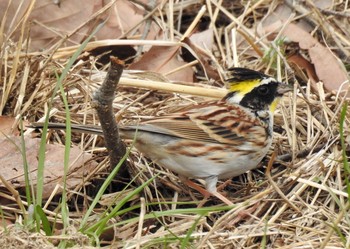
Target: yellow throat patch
x,y
243,87
274,104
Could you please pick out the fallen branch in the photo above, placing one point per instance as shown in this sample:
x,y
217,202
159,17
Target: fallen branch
x,y
102,102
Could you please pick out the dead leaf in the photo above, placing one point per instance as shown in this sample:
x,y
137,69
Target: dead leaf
x,y
48,23
13,171
204,59
122,17
163,59
328,68
304,64
204,39
6,124
323,4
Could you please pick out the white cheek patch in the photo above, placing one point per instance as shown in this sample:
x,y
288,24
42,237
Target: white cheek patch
x,y
241,90
267,81
235,99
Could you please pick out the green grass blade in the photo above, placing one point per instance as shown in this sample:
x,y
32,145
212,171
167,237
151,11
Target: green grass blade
x,y
25,167
42,148
343,146
102,225
64,207
102,190
3,220
185,243
264,238
181,211
41,216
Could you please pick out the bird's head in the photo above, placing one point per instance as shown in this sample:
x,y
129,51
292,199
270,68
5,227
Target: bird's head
x,y
253,89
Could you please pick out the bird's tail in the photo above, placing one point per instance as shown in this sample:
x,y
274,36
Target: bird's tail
x,y
124,132
89,129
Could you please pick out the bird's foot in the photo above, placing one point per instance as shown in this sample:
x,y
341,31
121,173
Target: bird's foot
x,y
207,194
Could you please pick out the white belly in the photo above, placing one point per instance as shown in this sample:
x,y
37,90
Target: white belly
x,y
224,163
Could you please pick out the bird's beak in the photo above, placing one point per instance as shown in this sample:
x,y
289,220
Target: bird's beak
x,y
283,88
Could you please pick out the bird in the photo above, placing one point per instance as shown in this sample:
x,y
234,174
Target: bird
x,y
213,140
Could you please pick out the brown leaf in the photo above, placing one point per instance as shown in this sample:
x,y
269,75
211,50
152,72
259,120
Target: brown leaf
x,y
49,22
163,59
204,59
6,124
328,68
203,39
303,63
13,171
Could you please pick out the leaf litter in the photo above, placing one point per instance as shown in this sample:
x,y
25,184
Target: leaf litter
x,y
306,123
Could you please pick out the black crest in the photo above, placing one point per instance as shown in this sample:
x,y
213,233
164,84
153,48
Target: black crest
x,y
239,74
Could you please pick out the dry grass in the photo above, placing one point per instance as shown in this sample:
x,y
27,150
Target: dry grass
x,y
301,203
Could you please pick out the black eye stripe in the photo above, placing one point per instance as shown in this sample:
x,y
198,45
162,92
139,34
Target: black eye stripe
x,y
260,97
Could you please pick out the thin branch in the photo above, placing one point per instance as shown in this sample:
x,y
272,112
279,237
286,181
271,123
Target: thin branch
x,y
102,102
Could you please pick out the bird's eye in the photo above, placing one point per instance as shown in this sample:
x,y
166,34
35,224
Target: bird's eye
x,y
263,90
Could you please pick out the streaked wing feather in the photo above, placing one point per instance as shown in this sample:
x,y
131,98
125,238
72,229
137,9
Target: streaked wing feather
x,y
179,128
214,123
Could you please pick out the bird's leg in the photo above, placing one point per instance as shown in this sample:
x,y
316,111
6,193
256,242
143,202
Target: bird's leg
x,y
210,184
210,189
224,185
195,186
201,190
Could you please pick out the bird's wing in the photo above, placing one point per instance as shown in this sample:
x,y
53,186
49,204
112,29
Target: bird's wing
x,y
211,122
214,123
